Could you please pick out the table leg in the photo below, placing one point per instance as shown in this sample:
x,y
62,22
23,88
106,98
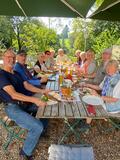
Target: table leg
x,y
71,129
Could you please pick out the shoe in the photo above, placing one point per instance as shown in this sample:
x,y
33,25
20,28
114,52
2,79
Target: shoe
x,y
23,156
84,127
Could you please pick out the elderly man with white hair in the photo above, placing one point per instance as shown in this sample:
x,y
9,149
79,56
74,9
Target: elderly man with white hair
x,y
61,57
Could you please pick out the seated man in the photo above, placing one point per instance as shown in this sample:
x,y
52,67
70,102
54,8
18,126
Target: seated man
x,y
21,68
19,102
109,87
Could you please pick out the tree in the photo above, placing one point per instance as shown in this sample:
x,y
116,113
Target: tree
x,y
6,32
24,32
105,35
81,34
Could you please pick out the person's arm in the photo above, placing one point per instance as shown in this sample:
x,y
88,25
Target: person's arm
x,y
34,82
21,97
109,99
21,71
90,75
92,86
34,89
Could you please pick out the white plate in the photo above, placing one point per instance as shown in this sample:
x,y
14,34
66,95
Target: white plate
x,y
93,100
51,102
114,112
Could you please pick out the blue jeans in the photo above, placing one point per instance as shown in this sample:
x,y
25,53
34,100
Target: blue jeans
x,y
27,121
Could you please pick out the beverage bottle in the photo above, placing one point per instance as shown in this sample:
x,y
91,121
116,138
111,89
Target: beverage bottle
x,y
60,78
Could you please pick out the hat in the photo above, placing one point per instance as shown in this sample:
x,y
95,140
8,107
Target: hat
x,y
21,52
108,51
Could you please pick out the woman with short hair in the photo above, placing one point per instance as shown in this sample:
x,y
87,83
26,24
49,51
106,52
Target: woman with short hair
x,y
110,87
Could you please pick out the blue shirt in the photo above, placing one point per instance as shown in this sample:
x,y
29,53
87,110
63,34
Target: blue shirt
x,y
16,81
26,75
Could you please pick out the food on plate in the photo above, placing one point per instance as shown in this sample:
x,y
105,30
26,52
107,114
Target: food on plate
x,y
44,98
55,95
66,91
86,91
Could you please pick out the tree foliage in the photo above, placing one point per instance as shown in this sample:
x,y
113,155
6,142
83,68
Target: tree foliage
x,y
99,35
20,32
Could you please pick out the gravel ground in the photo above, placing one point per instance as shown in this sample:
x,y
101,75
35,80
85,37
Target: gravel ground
x,y
106,145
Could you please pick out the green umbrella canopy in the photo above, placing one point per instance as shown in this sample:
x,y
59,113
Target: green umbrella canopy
x,y
46,8
109,10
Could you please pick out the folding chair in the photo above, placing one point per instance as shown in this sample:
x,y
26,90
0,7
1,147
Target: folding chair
x,y
112,124
115,123
13,132
70,129
76,127
70,152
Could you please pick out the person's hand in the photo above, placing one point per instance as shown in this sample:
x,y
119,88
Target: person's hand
x,y
83,84
40,103
45,91
93,92
44,79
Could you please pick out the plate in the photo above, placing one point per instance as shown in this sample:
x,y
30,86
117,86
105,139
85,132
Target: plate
x,y
51,102
114,112
93,100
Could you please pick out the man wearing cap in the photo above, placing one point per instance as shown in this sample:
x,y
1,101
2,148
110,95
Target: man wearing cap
x,y
100,73
21,68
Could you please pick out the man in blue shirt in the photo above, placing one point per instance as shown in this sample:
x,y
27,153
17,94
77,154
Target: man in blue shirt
x,y
17,95
21,68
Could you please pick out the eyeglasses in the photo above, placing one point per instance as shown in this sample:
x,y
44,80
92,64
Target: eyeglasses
x,y
48,54
10,57
23,55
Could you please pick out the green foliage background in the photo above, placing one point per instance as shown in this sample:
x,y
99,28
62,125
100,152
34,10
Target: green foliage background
x,y
31,33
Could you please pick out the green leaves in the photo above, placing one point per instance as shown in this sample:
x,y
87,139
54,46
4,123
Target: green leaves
x,y
29,32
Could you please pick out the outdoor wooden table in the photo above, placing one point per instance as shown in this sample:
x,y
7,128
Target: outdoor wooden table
x,y
76,110
68,109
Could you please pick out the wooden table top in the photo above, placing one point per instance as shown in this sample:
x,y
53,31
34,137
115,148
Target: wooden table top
x,y
70,109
